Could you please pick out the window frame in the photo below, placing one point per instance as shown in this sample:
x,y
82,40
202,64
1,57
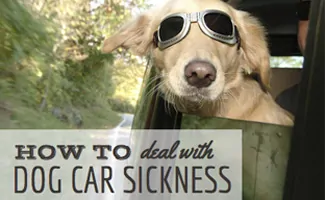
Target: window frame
x,y
305,170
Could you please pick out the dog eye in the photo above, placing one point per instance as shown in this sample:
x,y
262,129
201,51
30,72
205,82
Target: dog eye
x,y
218,23
170,27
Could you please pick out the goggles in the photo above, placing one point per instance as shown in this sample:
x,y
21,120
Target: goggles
x,y
303,8
213,23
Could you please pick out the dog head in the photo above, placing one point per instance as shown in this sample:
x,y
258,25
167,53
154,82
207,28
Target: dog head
x,y
198,67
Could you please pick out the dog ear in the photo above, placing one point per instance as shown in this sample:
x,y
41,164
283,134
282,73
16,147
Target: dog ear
x,y
135,36
254,47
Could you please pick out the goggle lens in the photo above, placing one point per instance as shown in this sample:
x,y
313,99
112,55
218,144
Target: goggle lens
x,y
218,23
171,27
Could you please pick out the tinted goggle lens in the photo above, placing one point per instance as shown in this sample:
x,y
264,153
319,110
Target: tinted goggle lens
x,y
171,27
218,23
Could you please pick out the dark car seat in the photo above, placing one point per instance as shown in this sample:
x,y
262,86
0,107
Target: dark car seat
x,y
284,87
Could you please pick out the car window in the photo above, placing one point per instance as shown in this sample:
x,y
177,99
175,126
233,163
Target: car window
x,y
286,61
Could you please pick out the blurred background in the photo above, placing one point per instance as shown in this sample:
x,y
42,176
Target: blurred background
x,y
52,73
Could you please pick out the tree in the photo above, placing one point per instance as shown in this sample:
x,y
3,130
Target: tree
x,y
50,56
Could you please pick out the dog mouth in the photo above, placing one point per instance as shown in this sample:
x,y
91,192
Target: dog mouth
x,y
197,94
189,93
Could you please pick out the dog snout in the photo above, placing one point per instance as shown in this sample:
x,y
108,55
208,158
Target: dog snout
x,y
200,73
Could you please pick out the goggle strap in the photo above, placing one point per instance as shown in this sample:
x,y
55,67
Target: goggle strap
x,y
237,38
155,39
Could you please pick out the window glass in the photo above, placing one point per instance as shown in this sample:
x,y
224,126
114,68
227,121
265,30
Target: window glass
x,y
286,61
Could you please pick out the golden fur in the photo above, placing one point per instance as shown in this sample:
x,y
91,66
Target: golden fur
x,y
234,94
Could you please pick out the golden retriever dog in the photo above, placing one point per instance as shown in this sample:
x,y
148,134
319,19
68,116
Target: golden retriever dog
x,y
213,59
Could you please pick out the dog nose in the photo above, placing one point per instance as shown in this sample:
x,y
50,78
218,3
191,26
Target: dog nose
x,y
200,73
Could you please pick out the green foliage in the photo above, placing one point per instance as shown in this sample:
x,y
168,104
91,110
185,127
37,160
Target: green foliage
x,y
121,105
52,73
20,33
26,44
